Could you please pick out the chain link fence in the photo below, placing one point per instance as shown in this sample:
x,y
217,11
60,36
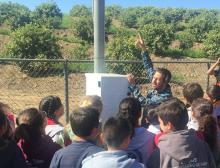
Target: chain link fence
x,y
23,86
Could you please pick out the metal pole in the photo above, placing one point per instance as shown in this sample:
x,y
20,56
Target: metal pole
x,y
208,77
66,91
99,35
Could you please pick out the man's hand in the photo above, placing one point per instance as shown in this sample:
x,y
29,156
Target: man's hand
x,y
131,79
140,43
218,61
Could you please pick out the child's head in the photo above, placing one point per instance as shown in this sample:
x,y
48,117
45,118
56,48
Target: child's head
x,y
192,91
201,107
53,106
208,126
172,115
85,122
93,101
4,126
213,93
31,124
152,116
117,133
130,108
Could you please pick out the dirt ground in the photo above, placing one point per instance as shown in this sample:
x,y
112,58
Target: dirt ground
x,y
21,91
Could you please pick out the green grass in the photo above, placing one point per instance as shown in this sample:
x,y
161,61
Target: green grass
x,y
66,22
177,53
5,32
177,78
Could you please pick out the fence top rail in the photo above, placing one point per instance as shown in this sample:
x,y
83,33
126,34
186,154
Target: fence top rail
x,y
91,61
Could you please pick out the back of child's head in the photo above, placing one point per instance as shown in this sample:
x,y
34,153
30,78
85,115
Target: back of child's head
x,y
152,116
214,93
50,104
130,108
30,124
83,120
115,131
201,107
208,126
173,111
93,101
192,91
5,129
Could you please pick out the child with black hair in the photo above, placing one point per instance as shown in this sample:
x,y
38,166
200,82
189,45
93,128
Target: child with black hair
x,y
179,147
213,93
10,154
192,91
142,142
117,134
7,110
85,125
202,111
152,119
37,147
54,109
215,72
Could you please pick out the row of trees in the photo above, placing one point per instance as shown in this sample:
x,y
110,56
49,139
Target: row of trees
x,y
16,15
33,35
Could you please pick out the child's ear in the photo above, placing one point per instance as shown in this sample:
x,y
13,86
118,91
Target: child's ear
x,y
95,132
169,126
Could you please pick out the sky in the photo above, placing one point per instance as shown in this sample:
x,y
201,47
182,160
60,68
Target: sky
x,y
66,5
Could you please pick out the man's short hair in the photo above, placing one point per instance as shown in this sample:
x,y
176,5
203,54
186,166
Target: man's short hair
x,y
165,73
201,107
83,120
192,91
115,131
174,111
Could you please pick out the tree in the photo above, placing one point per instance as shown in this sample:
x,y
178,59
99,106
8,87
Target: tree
x,y
186,39
201,25
47,14
150,18
33,42
83,28
113,11
157,37
13,14
80,11
122,47
212,44
129,18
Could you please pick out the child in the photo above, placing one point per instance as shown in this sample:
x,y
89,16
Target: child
x,y
10,154
116,135
7,110
142,142
216,72
85,125
92,101
202,111
192,91
152,118
53,106
37,147
213,93
179,147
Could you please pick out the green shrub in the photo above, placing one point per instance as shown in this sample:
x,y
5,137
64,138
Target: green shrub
x,y
33,42
211,44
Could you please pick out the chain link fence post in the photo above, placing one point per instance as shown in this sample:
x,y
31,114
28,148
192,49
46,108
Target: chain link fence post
x,y
66,90
207,78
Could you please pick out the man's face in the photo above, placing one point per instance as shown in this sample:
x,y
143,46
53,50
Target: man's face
x,y
158,81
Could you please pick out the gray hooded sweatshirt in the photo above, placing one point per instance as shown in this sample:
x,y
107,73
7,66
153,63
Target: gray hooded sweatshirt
x,y
181,149
111,159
